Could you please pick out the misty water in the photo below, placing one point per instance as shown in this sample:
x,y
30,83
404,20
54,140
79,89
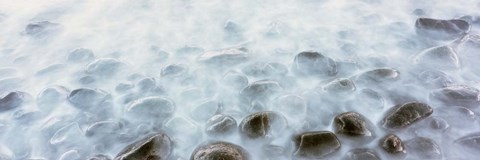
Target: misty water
x,y
258,80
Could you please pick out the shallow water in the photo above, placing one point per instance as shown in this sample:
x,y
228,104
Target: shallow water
x,y
80,78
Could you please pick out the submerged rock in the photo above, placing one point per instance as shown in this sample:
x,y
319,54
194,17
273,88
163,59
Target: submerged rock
x,y
312,63
316,145
404,115
362,154
219,151
424,148
441,29
12,100
457,95
153,147
220,125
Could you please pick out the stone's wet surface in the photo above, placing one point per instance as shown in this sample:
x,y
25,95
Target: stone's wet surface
x,y
457,95
352,124
310,63
12,100
220,125
152,147
423,148
471,141
362,154
315,145
404,115
393,144
441,29
261,124
219,150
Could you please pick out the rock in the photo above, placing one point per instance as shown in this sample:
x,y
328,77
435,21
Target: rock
x,y
352,124
316,145
362,154
441,29
50,69
424,148
264,69
13,100
220,125
471,141
99,157
260,91
434,79
340,86
151,108
173,70
52,95
219,151
441,57
123,87
225,57
105,67
393,144
378,76
103,128
456,95
41,28
205,110
404,115
86,98
235,80
153,147
261,124
312,63
80,55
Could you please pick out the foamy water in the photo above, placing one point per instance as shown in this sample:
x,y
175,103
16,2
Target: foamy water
x,y
82,78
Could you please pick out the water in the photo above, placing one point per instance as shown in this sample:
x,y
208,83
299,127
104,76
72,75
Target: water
x,y
85,79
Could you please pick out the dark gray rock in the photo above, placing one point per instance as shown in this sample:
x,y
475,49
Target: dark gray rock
x,y
219,151
220,125
316,145
378,76
260,124
310,63
393,144
441,29
404,115
457,95
352,124
362,154
13,100
153,147
423,148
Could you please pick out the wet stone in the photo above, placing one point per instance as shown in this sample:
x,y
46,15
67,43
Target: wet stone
x,y
264,69
316,145
340,86
471,141
219,151
441,57
86,98
220,125
224,58
12,100
393,144
434,79
404,115
153,147
173,70
457,95
441,29
378,76
352,124
424,148
81,55
362,154
261,124
151,108
41,28
52,95
260,91
312,63
104,67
